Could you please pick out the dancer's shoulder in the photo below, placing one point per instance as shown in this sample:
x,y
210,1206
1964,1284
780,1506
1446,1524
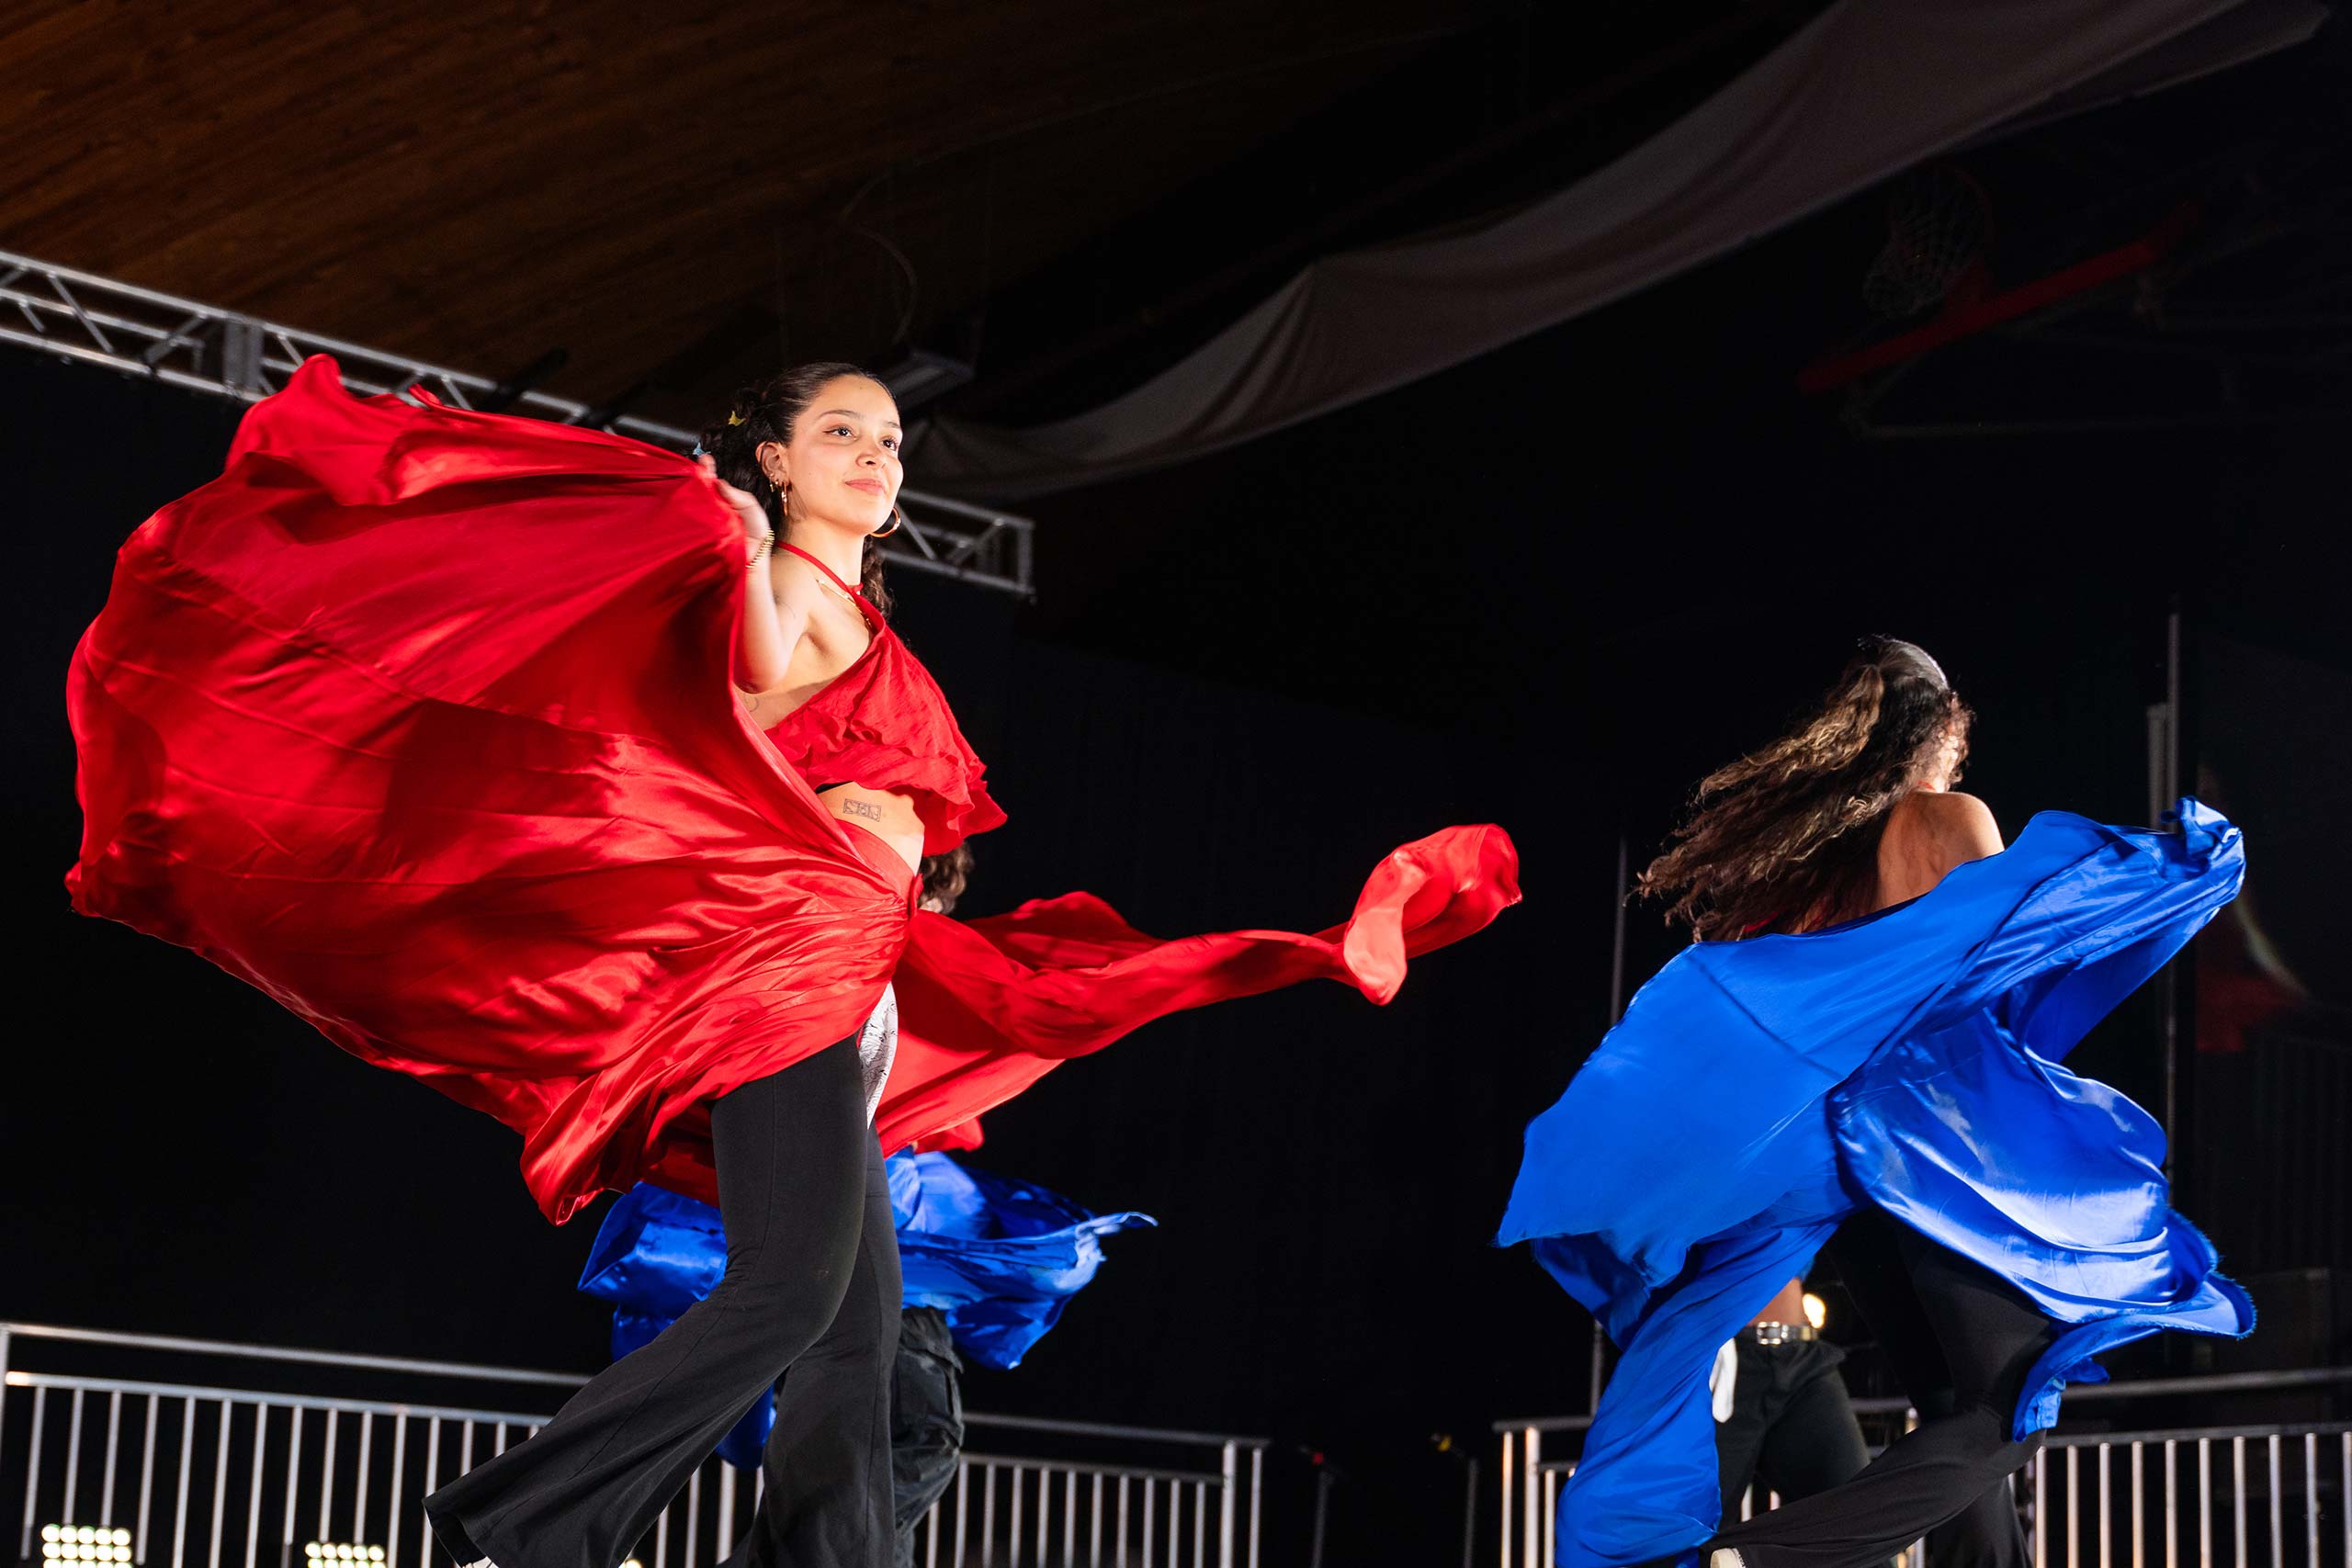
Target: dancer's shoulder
x,y
1943,827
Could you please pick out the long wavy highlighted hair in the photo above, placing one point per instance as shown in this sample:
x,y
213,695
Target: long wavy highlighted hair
x,y
1787,837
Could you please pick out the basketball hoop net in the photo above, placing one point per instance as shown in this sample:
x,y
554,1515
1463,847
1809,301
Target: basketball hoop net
x,y
1939,228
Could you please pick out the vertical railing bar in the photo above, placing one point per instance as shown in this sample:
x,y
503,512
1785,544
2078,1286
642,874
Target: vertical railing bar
x,y
2343,1492
1094,1525
963,1510
294,1485
1509,1443
497,1438
359,1487
2139,1555
1175,1521
1538,1552
188,1452
2277,1517
252,1496
987,1514
1228,1500
2041,1508
73,1457
1257,1488
220,1481
931,1538
1149,1493
114,1439
2311,1501
1045,1510
661,1538
1123,1522
432,1480
326,1484
1551,1505
1069,1520
32,1475
2237,1481
1200,1524
147,1474
726,1537
1012,1536
400,1471
694,1514
2172,1508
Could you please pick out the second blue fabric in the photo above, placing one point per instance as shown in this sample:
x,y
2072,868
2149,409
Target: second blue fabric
x,y
1000,1258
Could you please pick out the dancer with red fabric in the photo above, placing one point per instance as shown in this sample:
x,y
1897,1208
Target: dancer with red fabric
x,y
460,735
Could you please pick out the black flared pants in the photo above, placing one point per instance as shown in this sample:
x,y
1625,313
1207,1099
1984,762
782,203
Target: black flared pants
x,y
1963,1340
809,1297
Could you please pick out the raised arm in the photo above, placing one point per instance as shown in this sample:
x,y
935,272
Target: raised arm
x,y
772,625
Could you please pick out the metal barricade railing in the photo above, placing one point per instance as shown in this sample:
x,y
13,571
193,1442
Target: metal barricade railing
x,y
2270,1496
271,1469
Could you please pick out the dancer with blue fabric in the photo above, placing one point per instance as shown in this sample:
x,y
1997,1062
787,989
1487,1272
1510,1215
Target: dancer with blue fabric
x,y
992,1261
1872,1019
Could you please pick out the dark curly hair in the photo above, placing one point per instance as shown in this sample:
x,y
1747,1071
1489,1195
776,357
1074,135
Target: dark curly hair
x,y
764,414
1787,838
944,878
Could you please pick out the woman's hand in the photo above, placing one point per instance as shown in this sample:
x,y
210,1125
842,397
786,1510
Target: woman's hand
x,y
747,510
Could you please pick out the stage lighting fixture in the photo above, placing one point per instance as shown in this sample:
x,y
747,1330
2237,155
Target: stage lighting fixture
x,y
81,1546
342,1554
1816,1311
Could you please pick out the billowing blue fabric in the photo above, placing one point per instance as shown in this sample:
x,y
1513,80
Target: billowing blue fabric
x,y
1757,1092
1000,1258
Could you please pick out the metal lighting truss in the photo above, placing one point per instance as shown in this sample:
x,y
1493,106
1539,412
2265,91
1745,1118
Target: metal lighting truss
x,y
79,315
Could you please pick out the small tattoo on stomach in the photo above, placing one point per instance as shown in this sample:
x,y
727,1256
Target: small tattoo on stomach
x,y
865,808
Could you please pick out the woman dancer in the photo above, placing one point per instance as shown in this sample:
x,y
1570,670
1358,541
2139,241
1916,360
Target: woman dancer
x,y
1872,1017
452,732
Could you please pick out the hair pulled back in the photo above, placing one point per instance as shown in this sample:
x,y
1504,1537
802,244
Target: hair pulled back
x,y
765,412
1789,835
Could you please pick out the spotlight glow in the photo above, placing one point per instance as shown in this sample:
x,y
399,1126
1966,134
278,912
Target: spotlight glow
x,y
83,1546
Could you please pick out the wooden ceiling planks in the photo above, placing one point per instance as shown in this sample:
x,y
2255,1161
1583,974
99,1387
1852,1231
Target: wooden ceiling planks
x,y
656,191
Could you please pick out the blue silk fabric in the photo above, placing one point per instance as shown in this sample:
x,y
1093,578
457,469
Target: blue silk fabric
x,y
1757,1092
1000,1258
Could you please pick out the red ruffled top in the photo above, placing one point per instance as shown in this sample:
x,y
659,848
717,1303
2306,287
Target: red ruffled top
x,y
884,724
421,720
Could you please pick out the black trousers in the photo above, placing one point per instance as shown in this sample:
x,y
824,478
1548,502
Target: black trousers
x,y
1940,1317
926,1420
1791,1425
809,1297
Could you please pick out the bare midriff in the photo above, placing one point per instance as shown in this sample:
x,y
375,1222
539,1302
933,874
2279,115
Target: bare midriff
x,y
887,815
1787,1307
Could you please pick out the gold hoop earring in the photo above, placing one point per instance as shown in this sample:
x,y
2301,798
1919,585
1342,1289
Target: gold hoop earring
x,y
898,521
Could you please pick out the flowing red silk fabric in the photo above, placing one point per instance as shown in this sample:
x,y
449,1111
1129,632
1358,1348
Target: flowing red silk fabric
x,y
988,1008
419,720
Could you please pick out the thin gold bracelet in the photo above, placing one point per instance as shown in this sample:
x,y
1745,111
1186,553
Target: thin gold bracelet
x,y
760,550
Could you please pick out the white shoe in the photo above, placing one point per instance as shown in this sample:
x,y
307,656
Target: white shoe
x,y
1720,1557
